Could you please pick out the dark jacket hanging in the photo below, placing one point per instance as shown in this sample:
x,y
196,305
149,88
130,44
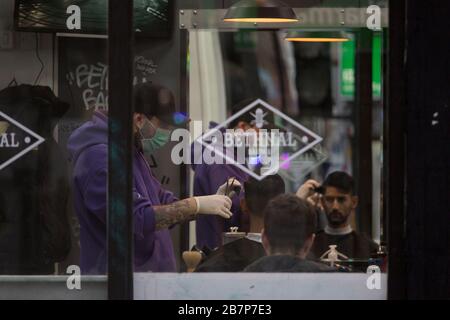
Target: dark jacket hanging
x,y
34,189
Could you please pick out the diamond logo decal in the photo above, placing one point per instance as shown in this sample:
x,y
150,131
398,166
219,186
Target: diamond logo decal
x,y
293,139
16,140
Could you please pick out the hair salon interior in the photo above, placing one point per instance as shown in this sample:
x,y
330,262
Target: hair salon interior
x,y
94,203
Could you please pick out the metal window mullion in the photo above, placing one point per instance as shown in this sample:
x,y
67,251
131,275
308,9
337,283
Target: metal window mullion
x,y
363,114
120,174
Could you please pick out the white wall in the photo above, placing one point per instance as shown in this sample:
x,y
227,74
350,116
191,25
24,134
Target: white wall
x,y
18,57
207,98
256,286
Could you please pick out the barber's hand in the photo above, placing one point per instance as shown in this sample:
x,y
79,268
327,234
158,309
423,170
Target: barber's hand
x,y
307,189
223,188
314,200
214,205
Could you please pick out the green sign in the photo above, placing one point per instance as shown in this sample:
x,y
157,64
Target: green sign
x,y
347,72
376,66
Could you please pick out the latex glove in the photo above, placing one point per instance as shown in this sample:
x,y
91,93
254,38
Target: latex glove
x,y
307,189
214,205
223,188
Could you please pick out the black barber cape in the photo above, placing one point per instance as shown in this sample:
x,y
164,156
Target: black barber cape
x,y
286,263
353,245
232,257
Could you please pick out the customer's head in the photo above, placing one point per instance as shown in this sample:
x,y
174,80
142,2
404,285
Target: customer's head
x,y
289,226
338,199
259,193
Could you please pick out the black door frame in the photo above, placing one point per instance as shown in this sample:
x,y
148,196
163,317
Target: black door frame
x,y
120,135
394,150
120,240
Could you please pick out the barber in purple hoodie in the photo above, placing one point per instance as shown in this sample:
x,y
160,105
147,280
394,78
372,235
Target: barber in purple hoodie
x,y
208,177
154,209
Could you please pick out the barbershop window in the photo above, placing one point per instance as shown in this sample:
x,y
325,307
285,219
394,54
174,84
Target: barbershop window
x,y
237,129
53,107
319,85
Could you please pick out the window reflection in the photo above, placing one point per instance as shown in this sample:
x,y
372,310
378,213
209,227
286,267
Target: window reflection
x,y
312,84
54,211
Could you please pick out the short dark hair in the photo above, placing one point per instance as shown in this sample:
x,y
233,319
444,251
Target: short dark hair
x,y
259,193
246,117
154,100
288,222
341,181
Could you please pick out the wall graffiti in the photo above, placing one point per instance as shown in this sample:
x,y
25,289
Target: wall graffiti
x,y
92,81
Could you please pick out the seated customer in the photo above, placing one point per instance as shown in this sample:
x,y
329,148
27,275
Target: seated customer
x,y
288,234
236,255
339,202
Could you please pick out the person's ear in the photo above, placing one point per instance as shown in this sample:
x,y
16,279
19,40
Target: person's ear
x,y
138,119
243,126
322,201
355,201
265,242
244,207
308,244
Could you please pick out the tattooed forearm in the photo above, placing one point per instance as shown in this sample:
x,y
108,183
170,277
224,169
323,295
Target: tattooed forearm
x,y
171,214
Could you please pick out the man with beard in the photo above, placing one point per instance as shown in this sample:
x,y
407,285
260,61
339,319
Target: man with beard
x,y
339,202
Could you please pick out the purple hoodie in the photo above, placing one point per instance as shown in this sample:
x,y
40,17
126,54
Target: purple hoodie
x,y
88,148
207,179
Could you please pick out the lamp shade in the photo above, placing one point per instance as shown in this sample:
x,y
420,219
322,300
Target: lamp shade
x,y
314,36
260,11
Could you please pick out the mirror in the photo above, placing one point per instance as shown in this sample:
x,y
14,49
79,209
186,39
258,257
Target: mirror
x,y
319,100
